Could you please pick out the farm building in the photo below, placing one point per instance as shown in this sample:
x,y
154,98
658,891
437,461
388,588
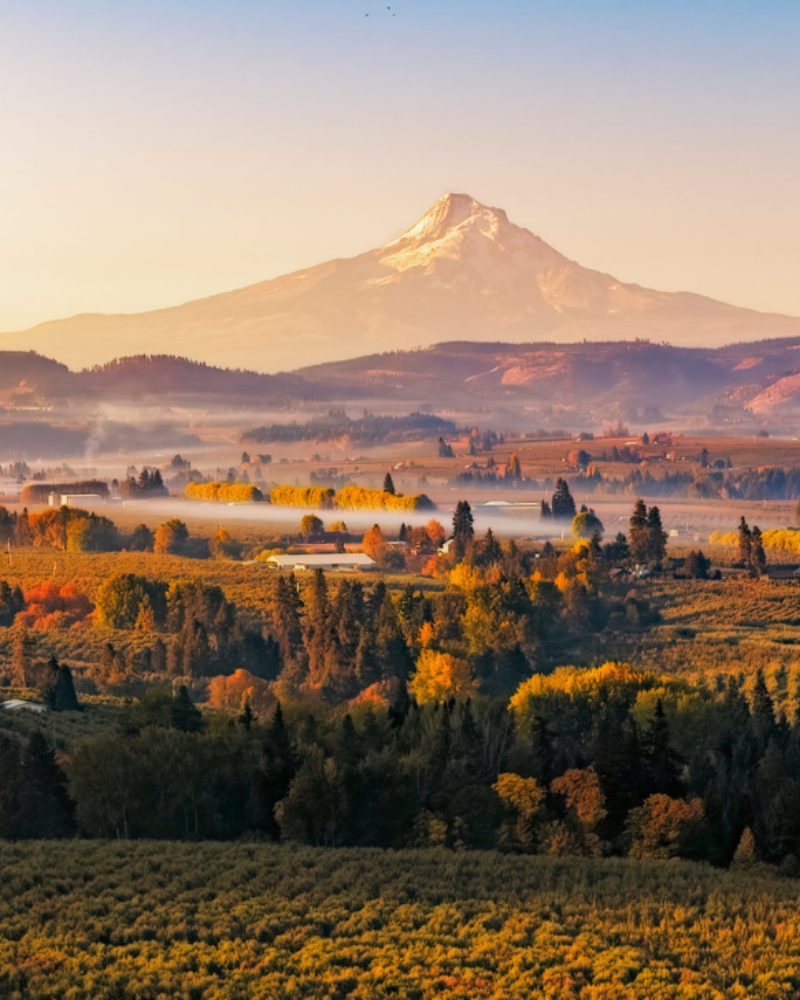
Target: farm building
x,y
339,561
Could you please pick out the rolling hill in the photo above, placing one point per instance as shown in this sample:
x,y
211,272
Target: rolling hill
x,y
607,378
594,380
463,272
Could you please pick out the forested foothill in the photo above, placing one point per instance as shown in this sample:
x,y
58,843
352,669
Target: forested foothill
x,y
339,710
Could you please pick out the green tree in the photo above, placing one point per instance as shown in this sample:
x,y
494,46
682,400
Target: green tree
x,y
586,525
388,484
120,598
311,525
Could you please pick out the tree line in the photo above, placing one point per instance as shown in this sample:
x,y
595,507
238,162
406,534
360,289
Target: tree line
x,y
581,763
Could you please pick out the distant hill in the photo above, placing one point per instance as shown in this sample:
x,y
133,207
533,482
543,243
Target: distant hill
x,y
603,376
156,378
167,376
598,380
17,367
462,272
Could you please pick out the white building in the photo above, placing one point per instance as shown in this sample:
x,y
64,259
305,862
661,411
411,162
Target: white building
x,y
73,499
334,561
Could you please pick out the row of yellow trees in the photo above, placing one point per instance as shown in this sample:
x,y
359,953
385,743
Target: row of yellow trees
x,y
778,539
359,498
318,497
224,492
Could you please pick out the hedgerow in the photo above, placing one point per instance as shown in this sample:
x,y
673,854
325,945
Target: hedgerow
x,y
224,492
359,498
319,497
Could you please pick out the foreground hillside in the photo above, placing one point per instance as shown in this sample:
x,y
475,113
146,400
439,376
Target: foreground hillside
x,y
96,921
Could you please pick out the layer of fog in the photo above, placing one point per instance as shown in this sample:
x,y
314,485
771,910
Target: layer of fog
x,y
517,524
695,525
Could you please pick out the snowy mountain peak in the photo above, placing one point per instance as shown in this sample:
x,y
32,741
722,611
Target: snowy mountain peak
x,y
460,228
451,212
462,272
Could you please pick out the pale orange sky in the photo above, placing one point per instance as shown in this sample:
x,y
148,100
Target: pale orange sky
x,y
174,150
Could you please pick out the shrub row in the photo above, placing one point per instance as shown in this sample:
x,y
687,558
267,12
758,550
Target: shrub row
x,y
224,492
321,497
359,498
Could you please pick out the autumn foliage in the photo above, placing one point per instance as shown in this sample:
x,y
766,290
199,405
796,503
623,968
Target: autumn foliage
x,y
49,606
224,492
318,497
359,498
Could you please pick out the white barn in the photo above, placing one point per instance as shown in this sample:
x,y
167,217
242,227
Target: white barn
x,y
334,561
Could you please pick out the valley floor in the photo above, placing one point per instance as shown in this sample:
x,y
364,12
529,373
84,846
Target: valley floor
x,y
220,922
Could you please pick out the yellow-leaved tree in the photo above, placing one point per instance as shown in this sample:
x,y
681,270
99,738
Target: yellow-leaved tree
x,y
523,799
440,676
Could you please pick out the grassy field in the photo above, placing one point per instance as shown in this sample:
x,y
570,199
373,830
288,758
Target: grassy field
x,y
212,921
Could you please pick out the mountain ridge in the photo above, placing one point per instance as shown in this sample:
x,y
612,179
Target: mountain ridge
x,y
462,272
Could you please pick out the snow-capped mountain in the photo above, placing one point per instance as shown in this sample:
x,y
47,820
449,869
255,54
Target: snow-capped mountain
x,y
462,272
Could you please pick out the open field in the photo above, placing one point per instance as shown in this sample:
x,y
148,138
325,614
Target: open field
x,y
91,921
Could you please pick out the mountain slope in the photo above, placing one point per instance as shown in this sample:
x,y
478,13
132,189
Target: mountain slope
x,y
462,272
601,375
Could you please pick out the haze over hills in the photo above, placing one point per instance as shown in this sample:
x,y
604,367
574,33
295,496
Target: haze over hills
x,y
591,381
613,378
463,272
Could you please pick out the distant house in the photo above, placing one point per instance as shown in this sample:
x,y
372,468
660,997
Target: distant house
x,y
781,572
333,561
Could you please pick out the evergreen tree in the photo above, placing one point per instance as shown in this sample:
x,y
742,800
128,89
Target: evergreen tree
x,y
445,449
492,553
21,651
638,533
758,558
60,691
697,565
286,611
543,758
762,710
563,505
662,764
316,627
657,537
745,542
184,714
388,484
247,718
463,528
45,810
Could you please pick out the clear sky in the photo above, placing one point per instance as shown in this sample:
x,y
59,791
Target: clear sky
x,y
154,152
